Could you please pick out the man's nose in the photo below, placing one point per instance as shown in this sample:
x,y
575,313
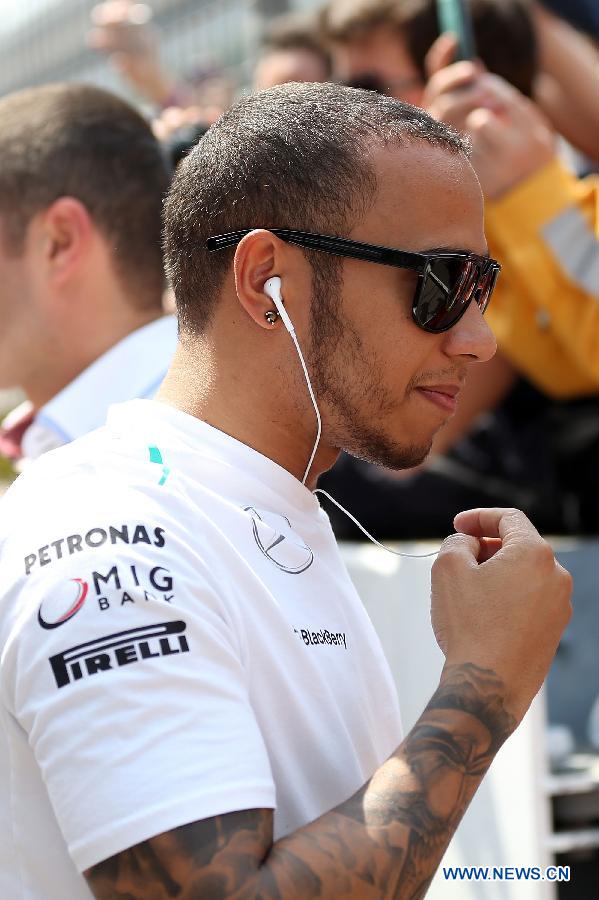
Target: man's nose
x,y
471,337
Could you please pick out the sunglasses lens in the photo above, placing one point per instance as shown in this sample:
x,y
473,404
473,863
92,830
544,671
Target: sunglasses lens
x,y
486,287
449,284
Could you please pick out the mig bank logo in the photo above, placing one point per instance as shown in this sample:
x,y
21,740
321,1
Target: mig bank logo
x,y
117,587
65,603
279,543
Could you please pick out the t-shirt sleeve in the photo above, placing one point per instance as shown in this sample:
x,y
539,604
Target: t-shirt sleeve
x,y
126,674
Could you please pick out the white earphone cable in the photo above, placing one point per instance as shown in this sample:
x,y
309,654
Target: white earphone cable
x,y
368,535
314,404
291,331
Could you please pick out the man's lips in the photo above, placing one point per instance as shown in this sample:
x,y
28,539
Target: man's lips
x,y
445,396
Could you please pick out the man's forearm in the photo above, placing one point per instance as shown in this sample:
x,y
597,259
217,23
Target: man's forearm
x,y
385,841
388,839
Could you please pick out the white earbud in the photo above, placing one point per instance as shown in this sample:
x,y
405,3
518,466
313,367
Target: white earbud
x,y
273,289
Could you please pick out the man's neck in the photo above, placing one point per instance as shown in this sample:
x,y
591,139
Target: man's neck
x,y
243,410
78,349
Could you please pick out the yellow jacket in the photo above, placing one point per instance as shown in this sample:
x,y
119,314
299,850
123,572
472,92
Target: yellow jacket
x,y
545,309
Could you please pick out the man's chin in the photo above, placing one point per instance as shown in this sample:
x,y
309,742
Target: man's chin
x,y
394,457
407,458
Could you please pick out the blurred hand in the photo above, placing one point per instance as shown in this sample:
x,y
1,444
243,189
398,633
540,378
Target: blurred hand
x,y
174,118
511,139
500,600
123,31
122,26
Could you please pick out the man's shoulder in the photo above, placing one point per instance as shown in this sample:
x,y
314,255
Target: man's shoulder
x,y
85,495
98,531
84,468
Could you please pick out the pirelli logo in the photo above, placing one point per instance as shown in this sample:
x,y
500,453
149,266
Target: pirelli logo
x,y
121,649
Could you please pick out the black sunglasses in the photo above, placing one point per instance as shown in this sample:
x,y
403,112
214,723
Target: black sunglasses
x,y
447,282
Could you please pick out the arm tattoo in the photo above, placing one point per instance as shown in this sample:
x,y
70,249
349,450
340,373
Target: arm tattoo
x,y
384,842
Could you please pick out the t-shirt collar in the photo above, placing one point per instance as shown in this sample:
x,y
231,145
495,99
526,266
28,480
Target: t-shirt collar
x,y
150,416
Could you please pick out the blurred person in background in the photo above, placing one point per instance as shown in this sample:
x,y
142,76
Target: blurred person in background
x,y
81,276
541,222
583,14
567,85
184,108
383,44
292,50
123,30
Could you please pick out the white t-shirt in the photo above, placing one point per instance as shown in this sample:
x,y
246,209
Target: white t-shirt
x,y
179,639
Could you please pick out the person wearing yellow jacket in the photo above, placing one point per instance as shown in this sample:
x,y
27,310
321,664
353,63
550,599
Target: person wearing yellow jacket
x,y
545,312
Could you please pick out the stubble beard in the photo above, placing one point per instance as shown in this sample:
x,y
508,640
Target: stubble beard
x,y
343,376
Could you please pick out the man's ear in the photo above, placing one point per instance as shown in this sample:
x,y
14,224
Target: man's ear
x,y
256,260
65,230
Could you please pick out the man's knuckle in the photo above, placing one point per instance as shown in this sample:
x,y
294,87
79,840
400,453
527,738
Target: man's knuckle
x,y
568,610
567,585
445,561
452,560
565,575
544,554
440,564
454,543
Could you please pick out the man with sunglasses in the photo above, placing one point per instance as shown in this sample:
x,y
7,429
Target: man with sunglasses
x,y
194,699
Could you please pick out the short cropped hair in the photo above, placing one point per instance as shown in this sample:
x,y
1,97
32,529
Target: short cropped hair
x,y
78,141
503,29
293,156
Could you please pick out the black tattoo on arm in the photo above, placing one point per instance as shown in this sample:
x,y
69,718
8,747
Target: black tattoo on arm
x,y
384,842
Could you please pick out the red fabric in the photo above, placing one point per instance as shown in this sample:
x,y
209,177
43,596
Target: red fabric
x,y
10,438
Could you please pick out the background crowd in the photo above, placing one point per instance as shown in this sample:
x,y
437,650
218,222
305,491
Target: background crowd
x,y
85,305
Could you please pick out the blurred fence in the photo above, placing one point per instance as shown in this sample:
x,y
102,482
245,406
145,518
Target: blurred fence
x,y
47,41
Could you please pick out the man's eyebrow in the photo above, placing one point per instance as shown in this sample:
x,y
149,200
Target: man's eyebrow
x,y
432,250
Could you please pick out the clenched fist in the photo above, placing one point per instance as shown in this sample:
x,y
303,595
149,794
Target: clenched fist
x,y
500,600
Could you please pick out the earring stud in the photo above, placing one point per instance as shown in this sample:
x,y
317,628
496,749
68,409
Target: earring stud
x,y
271,316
